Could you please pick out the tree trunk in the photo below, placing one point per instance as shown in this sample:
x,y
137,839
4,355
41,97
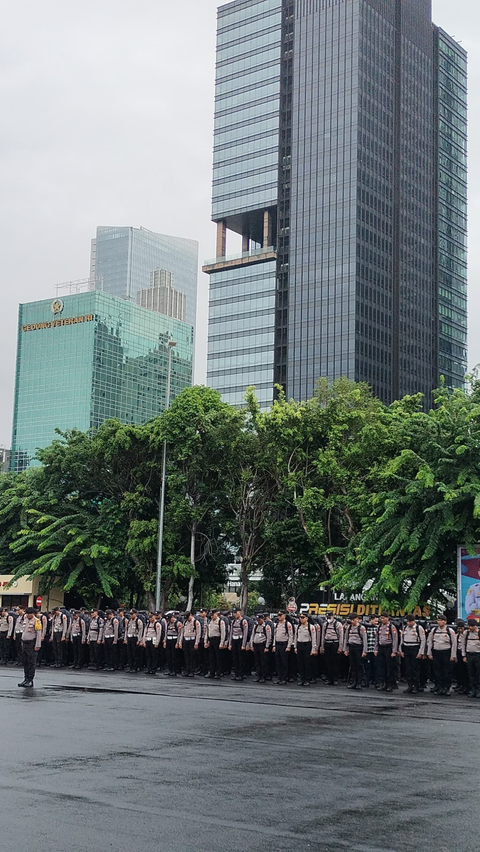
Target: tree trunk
x,y
244,588
192,562
151,601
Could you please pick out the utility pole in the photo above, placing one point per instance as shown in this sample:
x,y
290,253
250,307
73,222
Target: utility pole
x,y
171,346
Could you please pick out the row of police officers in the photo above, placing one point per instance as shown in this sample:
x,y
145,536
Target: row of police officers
x,y
215,644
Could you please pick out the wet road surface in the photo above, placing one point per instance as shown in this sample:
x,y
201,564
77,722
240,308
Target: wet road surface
x,y
98,762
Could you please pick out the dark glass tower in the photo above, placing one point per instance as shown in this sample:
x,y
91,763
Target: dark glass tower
x,y
340,157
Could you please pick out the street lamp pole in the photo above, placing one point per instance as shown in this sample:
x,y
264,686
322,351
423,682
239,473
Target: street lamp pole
x,y
171,346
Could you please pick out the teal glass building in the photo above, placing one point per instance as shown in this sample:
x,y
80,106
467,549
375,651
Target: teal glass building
x,y
89,357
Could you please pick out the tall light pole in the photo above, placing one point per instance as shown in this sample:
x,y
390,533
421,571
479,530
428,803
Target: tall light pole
x,y
171,346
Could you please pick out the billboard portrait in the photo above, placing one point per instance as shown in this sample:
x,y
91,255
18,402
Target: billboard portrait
x,y
468,583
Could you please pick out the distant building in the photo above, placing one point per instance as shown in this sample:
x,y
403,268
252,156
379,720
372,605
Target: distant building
x,y
162,296
5,456
124,259
89,357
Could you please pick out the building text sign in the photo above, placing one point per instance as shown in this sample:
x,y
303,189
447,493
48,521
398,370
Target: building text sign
x,y
39,326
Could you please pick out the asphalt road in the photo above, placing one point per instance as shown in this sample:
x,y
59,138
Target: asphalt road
x,y
98,762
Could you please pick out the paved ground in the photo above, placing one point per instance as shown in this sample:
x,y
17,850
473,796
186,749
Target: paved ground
x,y
99,762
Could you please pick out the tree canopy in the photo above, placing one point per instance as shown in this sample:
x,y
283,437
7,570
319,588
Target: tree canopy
x,y
339,490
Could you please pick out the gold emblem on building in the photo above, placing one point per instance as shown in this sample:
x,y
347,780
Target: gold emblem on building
x,y
56,306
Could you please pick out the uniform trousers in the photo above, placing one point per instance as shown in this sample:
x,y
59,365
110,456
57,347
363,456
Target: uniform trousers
x,y
304,661
461,672
442,669
386,665
151,656
95,653
473,663
121,653
3,646
58,647
371,668
110,652
412,665
77,650
331,655
132,652
237,658
281,660
214,654
355,652
189,655
17,648
28,659
261,659
172,656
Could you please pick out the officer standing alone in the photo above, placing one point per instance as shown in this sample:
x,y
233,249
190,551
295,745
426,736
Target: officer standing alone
x,y
31,641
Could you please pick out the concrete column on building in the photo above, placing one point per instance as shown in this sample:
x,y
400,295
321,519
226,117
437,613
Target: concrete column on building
x,y
245,243
267,229
221,238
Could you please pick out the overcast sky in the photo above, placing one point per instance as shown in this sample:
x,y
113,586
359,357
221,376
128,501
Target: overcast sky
x,y
107,116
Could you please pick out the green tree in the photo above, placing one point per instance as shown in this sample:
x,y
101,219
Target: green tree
x,y
423,502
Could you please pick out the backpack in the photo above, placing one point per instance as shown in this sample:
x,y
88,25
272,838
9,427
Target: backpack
x,y
449,634
227,627
359,631
417,631
467,635
251,623
121,626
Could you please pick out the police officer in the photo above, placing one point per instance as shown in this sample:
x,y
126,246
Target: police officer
x,y
442,650
17,636
412,649
151,641
305,647
3,636
202,654
78,638
386,647
132,639
215,640
461,668
189,640
331,646
94,640
355,648
472,601
121,647
470,642
110,640
260,642
282,642
31,641
238,644
171,644
58,636
42,653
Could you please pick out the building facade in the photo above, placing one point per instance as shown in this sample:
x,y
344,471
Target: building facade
x,y
5,456
123,259
87,358
162,296
340,157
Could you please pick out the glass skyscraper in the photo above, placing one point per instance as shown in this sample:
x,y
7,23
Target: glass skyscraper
x,y
340,158
123,260
89,357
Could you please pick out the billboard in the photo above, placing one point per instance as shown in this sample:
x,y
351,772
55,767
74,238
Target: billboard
x,y
342,605
468,582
